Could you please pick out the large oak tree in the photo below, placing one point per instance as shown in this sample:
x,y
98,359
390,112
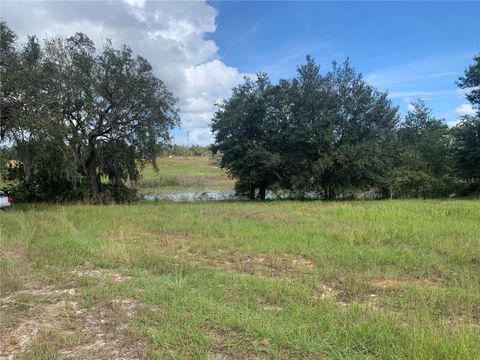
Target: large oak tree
x,y
104,110
322,133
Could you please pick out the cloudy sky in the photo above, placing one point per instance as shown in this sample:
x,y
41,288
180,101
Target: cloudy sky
x,y
202,49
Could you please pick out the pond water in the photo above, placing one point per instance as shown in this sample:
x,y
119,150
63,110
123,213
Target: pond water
x,y
195,196
215,196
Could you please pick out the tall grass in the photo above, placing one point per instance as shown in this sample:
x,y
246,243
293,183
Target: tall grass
x,y
176,174
366,280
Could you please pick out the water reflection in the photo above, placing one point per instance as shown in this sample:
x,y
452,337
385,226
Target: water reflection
x,y
218,196
195,196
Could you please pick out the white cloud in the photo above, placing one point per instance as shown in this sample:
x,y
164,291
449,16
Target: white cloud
x,y
418,71
466,91
171,35
424,94
136,3
465,109
410,107
206,85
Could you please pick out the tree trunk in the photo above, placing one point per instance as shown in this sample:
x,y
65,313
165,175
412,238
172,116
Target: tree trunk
x,y
93,182
330,193
251,194
262,193
25,153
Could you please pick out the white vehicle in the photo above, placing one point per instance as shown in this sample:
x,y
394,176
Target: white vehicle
x,y
5,200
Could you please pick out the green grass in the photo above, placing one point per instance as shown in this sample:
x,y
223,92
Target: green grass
x,y
176,174
333,280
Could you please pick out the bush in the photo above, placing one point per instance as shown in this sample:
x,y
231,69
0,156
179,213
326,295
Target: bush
x,y
118,193
418,184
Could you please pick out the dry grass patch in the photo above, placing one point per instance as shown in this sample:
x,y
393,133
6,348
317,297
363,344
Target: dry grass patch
x,y
145,237
175,239
392,283
224,346
47,322
263,264
44,311
122,245
324,292
13,262
9,281
107,328
102,276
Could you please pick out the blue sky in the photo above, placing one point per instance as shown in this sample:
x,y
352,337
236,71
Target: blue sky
x,y
203,49
411,49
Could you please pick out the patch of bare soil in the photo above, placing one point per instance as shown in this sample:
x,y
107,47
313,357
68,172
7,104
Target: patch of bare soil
x,y
102,328
386,283
178,245
107,327
102,275
223,348
325,292
254,263
42,313
13,343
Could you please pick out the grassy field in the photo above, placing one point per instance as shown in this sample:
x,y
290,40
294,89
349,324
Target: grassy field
x,y
175,174
393,279
245,280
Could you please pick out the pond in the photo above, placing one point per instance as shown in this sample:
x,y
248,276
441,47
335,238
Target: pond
x,y
195,196
217,196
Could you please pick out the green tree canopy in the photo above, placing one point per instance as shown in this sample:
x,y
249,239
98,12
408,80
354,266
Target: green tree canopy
x,y
322,133
471,82
241,127
102,111
467,132
467,148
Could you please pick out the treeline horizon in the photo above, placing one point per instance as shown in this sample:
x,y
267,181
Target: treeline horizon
x,y
81,122
335,135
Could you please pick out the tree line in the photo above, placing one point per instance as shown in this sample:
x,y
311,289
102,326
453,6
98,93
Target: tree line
x,y
78,121
335,135
183,150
